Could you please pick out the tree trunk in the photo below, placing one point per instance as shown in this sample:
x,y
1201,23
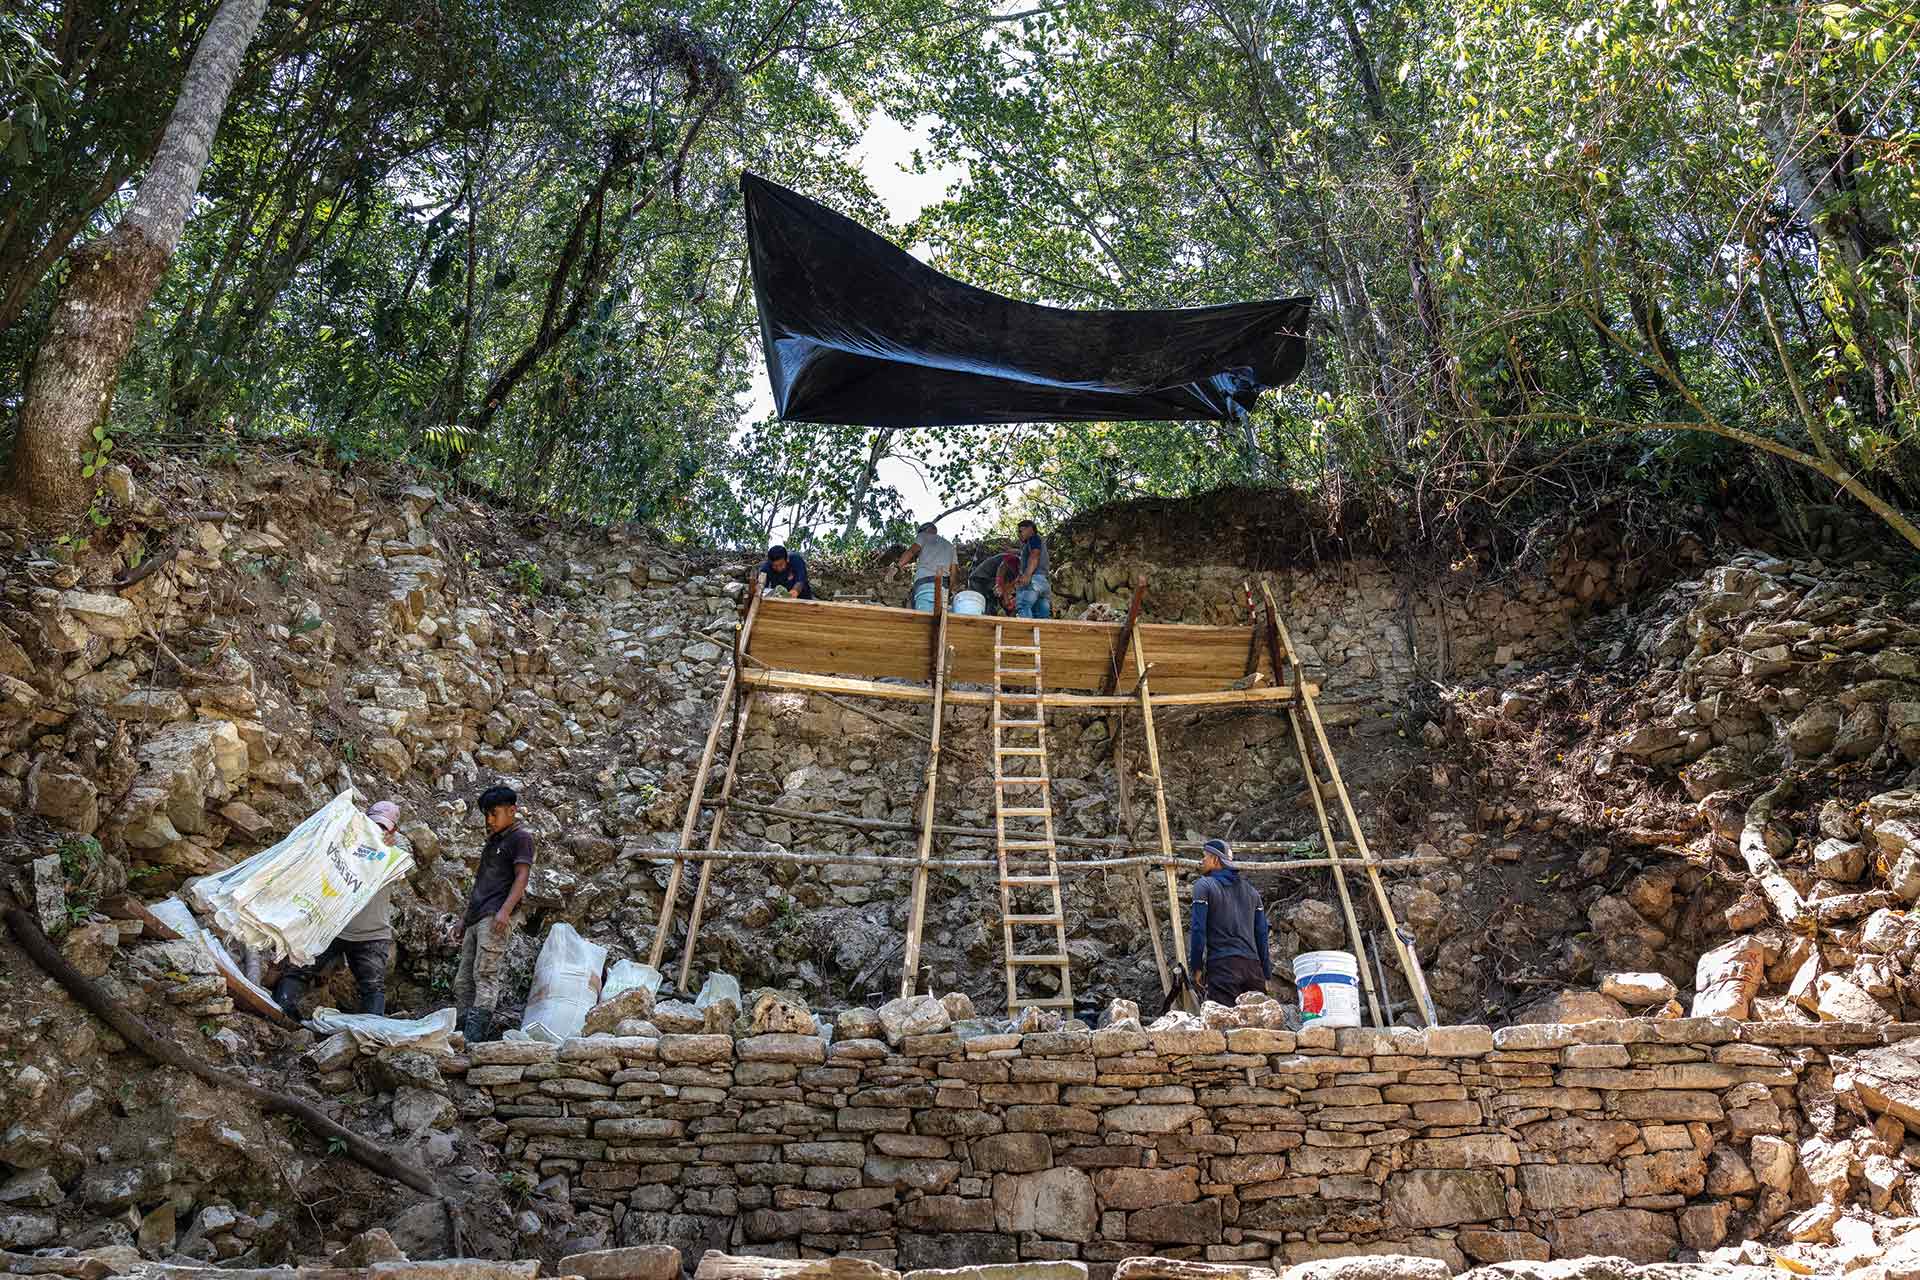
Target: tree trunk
x,y
115,276
855,509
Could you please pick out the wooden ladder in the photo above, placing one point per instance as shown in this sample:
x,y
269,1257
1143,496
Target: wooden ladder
x,y
1023,823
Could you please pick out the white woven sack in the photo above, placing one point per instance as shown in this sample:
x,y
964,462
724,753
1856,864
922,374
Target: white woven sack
x,y
566,984
293,899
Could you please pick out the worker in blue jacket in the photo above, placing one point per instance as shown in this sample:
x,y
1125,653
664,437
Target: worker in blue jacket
x,y
1227,943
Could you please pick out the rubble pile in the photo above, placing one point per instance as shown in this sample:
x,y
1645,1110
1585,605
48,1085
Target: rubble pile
x,y
1755,732
284,627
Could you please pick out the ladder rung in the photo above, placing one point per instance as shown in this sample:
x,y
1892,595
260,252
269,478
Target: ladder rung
x,y
1050,958
1035,920
1026,812
1016,648
1001,695
1019,724
1012,880
1044,1002
1016,671
1021,751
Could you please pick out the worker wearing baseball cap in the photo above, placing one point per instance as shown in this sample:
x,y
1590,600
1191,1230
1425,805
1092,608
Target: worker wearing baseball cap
x,y
1227,942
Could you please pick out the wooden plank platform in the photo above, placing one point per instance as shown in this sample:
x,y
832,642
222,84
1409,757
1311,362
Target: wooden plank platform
x,y
873,642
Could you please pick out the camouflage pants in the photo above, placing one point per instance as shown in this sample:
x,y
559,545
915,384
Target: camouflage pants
x,y
483,955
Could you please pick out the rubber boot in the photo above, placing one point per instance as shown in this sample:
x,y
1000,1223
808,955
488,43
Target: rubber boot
x,y
375,1004
287,993
474,1024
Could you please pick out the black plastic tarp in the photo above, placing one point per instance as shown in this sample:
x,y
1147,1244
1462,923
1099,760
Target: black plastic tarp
x,y
858,331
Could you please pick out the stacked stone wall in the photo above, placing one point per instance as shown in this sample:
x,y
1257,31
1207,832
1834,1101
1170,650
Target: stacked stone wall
x,y
1638,1138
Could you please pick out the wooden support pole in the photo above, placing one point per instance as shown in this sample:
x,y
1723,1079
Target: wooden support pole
x,y
1160,803
713,836
1140,888
917,914
659,947
728,690
1422,1000
1319,804
1120,642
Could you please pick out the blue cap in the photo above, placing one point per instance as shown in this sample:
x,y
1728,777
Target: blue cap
x,y
1220,849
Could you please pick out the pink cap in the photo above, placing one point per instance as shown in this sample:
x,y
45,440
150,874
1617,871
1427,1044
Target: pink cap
x,y
385,814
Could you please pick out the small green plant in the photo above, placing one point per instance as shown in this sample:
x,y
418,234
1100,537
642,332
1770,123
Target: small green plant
x,y
526,577
336,1146
94,460
515,1185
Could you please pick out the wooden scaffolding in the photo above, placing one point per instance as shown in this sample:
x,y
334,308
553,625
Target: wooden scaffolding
x,y
1023,671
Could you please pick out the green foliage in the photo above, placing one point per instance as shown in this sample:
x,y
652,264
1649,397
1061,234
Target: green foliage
x,y
526,577
503,243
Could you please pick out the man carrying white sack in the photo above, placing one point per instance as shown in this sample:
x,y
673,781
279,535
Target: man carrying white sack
x,y
366,943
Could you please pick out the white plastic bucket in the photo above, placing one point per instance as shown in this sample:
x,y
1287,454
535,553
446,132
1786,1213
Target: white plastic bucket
x,y
1329,983
971,603
923,595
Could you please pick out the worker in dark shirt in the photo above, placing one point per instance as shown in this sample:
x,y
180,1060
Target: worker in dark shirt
x,y
1228,939
506,860
782,569
1035,598
993,577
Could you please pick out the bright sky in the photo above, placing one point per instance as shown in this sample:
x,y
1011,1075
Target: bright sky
x,y
886,152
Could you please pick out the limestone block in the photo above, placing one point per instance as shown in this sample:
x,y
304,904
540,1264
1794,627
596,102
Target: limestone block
x,y
1443,1197
1838,998
1195,1223
106,616
1012,1152
1842,860
1726,977
1570,1186
1638,990
1665,1173
1639,1235
910,1016
1056,1203
1145,1188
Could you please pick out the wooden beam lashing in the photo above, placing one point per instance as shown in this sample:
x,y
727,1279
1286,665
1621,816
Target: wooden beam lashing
x,y
917,914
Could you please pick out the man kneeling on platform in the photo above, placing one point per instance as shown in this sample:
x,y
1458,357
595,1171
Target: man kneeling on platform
x,y
1227,944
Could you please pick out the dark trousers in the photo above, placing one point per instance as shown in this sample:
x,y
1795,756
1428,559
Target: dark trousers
x,y
366,960
1228,979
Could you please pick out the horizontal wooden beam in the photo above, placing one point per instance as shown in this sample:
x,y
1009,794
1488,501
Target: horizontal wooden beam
x,y
988,833
850,686
811,858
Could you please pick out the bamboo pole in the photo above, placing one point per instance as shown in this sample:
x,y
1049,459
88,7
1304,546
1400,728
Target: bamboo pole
x,y
811,858
659,947
1159,801
1319,804
1139,873
728,691
917,915
713,836
1422,1001
987,833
